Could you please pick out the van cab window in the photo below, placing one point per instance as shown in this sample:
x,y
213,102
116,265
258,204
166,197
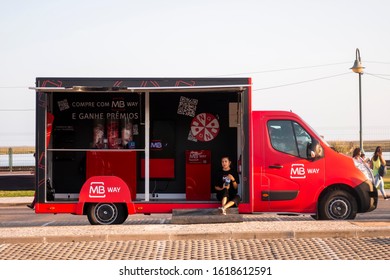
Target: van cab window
x,y
291,138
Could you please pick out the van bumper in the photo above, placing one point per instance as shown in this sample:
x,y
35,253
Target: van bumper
x,y
368,196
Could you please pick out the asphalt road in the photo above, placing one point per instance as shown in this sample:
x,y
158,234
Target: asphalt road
x,y
16,181
18,215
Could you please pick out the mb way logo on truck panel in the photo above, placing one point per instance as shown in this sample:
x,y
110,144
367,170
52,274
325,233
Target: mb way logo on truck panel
x,y
298,171
98,190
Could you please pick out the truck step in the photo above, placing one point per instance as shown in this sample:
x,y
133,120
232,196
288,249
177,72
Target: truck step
x,y
205,216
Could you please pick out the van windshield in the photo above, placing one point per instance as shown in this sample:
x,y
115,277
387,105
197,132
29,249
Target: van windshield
x,y
318,136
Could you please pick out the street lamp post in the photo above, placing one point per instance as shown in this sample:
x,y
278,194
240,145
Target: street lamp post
x,y
358,68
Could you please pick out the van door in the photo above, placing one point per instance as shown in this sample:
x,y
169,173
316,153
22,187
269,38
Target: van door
x,y
294,167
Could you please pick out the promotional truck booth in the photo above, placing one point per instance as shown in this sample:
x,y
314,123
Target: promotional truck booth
x,y
109,147
163,137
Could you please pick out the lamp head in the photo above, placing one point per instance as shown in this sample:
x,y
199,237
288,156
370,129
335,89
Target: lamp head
x,y
357,67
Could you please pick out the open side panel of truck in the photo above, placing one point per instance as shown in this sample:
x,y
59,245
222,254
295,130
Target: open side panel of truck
x,y
164,137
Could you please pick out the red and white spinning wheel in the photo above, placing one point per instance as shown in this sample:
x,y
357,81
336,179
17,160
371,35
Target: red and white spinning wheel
x,y
205,127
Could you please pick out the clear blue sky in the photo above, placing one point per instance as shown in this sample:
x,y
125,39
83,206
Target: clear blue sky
x,y
206,38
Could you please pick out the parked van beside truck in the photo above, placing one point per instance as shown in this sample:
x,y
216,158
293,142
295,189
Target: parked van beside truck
x,y
110,147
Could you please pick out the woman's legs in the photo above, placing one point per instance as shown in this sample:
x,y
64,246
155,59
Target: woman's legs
x,y
32,204
230,203
224,201
225,205
223,196
379,183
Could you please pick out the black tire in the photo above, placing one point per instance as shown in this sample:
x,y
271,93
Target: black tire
x,y
337,205
106,214
122,214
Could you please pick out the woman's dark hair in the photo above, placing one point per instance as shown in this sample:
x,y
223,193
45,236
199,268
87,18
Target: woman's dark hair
x,y
356,152
378,151
226,156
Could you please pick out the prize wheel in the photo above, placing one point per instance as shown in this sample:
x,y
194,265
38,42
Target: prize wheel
x,y
205,127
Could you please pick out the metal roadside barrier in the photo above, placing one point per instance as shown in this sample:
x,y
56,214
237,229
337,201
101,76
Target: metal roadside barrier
x,y
17,159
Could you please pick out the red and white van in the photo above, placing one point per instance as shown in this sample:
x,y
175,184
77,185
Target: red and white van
x,y
110,147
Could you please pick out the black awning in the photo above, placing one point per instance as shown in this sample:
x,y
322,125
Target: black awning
x,y
219,88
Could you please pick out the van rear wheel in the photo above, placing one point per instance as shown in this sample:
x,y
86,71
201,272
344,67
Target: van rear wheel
x,y
337,205
106,214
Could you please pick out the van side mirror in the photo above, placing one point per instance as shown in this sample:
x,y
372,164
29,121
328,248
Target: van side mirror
x,y
314,150
310,154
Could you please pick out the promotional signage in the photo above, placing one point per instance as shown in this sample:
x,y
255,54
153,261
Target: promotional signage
x,y
198,156
198,174
104,121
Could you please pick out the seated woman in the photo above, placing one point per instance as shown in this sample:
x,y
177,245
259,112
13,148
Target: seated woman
x,y
226,184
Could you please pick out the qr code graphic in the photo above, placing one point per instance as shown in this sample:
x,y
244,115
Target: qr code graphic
x,y
187,106
63,104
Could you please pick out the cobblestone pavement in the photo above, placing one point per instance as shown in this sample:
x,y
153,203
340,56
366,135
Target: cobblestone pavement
x,y
375,248
198,242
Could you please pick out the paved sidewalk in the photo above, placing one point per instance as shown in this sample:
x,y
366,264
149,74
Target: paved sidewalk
x,y
256,226
4,201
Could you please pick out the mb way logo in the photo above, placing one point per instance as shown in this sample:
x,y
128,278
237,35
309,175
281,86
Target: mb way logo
x,y
98,190
298,171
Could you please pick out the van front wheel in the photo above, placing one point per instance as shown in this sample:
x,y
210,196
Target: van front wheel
x,y
337,205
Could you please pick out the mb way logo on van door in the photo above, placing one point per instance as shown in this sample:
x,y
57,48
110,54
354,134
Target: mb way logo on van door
x,y
298,171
